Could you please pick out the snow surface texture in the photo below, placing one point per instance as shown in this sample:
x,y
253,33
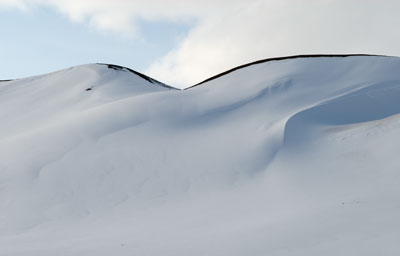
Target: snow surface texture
x,y
290,157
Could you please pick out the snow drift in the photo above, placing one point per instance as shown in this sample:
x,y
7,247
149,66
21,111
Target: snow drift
x,y
293,156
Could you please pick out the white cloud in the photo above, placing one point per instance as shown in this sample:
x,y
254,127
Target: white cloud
x,y
120,15
233,32
277,28
12,4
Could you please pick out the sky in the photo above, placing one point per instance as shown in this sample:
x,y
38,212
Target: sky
x,y
184,42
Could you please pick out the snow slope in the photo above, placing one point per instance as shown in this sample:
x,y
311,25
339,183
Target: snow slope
x,y
285,157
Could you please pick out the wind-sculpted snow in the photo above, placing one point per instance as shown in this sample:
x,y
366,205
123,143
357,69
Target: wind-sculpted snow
x,y
296,156
369,103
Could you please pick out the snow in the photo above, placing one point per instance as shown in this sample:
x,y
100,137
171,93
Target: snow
x,y
289,157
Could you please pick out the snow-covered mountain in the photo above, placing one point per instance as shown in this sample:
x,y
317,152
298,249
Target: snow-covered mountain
x,y
291,156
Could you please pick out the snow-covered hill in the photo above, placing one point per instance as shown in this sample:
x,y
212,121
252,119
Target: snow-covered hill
x,y
295,156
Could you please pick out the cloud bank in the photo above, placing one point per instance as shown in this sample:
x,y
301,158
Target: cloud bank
x,y
233,32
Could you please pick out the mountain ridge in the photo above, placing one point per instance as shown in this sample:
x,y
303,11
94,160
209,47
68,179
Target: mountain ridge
x,y
289,57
